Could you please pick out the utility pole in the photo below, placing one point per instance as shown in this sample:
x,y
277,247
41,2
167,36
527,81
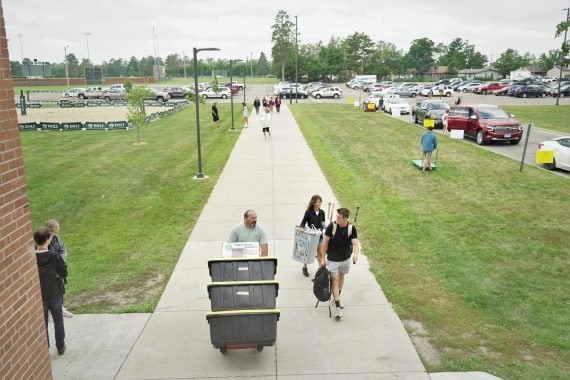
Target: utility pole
x,y
184,63
251,63
21,49
296,63
65,60
562,58
87,34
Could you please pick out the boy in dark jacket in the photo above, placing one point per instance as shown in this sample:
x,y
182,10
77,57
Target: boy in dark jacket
x,y
53,272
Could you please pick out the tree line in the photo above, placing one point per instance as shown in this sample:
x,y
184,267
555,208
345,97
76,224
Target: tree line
x,y
358,53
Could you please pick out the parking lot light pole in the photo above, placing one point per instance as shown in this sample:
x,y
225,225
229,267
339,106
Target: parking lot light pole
x,y
65,60
87,34
296,64
562,58
232,89
199,175
244,71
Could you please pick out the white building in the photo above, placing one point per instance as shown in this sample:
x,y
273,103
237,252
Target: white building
x,y
520,73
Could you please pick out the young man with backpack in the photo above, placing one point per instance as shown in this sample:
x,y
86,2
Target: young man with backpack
x,y
340,246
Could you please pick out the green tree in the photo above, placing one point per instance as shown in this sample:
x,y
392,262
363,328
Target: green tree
x,y
461,54
332,58
282,38
136,113
72,65
358,49
510,60
420,55
133,67
128,86
262,65
548,60
565,48
173,64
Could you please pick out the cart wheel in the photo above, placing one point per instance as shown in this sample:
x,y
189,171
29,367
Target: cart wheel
x,y
259,347
223,350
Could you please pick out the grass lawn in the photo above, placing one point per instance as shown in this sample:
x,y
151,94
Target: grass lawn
x,y
125,211
477,252
556,118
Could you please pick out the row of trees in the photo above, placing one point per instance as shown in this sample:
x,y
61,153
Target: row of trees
x,y
175,65
358,53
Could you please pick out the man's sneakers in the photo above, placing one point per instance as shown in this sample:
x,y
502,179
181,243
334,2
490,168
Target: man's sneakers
x,y
305,272
66,313
61,351
338,313
341,305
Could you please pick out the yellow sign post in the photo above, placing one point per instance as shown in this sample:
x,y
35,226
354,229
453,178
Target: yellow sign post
x,y
544,156
429,123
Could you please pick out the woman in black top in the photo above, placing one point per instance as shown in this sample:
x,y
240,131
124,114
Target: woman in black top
x,y
315,218
215,115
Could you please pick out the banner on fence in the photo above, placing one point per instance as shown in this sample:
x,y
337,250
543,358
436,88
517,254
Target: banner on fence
x,y
50,126
76,126
28,126
117,124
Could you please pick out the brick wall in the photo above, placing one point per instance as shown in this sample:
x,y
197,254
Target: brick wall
x,y
23,347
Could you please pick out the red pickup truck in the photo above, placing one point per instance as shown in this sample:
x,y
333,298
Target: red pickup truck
x,y
488,88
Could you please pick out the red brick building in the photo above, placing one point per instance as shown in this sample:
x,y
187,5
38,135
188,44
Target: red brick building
x,y
23,346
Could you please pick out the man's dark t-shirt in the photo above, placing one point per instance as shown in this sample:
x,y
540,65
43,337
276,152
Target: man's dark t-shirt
x,y
339,244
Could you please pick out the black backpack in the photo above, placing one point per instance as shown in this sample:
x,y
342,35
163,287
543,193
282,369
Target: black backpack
x,y
322,286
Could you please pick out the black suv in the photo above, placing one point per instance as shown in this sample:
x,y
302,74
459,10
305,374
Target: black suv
x,y
431,110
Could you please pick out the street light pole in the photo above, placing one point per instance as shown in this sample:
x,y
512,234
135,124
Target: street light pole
x,y
232,90
296,64
184,63
65,60
199,175
562,58
87,34
21,49
244,71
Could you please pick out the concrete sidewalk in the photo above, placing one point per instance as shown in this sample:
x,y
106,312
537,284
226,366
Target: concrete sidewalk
x,y
276,177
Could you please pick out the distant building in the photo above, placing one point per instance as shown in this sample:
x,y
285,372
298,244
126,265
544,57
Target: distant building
x,y
555,72
520,73
486,72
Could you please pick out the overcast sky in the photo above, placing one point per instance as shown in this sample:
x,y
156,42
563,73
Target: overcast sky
x,y
123,28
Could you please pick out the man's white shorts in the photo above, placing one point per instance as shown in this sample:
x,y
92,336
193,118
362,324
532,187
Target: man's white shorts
x,y
336,267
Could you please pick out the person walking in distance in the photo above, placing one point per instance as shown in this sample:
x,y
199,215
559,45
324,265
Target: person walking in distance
x,y
266,122
264,102
278,103
341,247
58,246
315,218
215,115
429,144
245,115
271,104
52,272
256,104
250,231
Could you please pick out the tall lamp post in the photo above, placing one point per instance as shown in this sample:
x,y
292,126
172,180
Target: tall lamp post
x,y
244,71
232,61
562,58
87,34
199,175
65,60
296,60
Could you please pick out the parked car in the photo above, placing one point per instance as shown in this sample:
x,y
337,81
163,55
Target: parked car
x,y
393,104
299,92
564,89
441,90
511,89
426,90
118,86
456,85
506,81
114,94
73,92
535,90
159,96
561,148
469,86
502,91
222,92
410,91
431,110
176,92
488,88
90,93
327,92
485,123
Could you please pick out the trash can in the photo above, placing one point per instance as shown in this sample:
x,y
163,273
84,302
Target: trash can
x,y
243,269
243,328
242,295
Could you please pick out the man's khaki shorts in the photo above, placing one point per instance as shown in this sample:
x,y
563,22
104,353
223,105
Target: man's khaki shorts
x,y
336,267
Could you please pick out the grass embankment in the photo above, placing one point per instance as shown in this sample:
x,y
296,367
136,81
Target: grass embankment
x,y
556,118
476,251
125,211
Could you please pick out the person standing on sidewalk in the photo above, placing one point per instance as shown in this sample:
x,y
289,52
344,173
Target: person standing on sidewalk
x,y
315,218
278,103
256,104
58,246
429,144
215,115
340,245
52,271
250,231
245,115
266,122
